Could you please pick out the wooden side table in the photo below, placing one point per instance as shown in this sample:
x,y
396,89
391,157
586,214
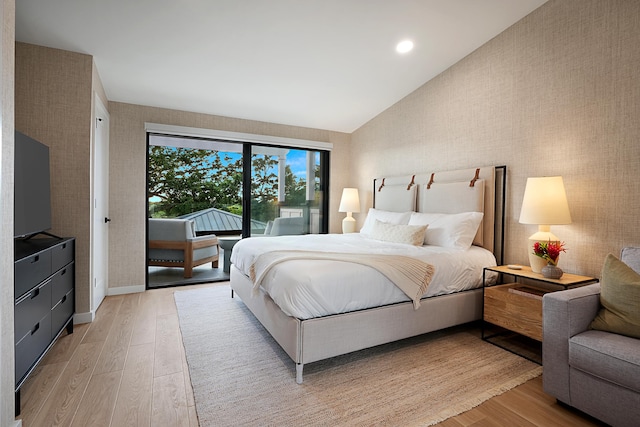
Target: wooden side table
x,y
516,306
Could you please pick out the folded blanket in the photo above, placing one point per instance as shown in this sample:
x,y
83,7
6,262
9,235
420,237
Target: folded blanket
x,y
411,275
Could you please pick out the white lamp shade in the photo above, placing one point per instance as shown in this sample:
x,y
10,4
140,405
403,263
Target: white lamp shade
x,y
350,201
545,202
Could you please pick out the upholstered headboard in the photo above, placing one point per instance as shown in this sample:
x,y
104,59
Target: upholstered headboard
x,y
466,190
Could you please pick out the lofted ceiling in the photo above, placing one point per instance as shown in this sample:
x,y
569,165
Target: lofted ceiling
x,y
327,64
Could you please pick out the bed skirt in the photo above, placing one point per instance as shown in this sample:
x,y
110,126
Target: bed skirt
x,y
311,340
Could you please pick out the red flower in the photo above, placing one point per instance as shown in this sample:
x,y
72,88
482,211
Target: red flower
x,y
549,251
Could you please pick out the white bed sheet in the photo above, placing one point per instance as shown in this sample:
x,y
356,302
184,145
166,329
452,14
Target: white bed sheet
x,y
316,288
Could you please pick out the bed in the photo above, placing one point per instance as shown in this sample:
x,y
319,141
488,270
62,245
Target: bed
x,y
319,297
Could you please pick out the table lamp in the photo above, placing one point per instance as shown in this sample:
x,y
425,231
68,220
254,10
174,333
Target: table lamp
x,y
545,204
349,203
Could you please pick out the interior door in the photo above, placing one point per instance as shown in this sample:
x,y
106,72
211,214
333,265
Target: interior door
x,y
100,259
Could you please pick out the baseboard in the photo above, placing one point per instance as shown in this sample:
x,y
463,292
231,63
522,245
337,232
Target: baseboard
x,y
79,318
18,423
121,290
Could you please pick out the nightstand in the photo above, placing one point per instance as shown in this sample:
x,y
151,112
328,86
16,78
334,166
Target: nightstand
x,y
516,306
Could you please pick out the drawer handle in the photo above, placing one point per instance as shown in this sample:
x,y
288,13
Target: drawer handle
x,y
64,246
35,259
35,293
64,298
63,272
35,328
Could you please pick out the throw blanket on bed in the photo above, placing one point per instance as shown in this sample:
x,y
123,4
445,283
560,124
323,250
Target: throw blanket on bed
x,y
411,275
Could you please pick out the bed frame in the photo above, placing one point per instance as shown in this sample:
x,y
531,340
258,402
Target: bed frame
x,y
311,340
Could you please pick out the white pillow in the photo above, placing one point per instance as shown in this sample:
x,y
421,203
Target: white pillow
x,y
448,230
398,218
396,233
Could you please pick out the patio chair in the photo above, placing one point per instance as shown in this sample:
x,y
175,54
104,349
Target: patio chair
x,y
173,243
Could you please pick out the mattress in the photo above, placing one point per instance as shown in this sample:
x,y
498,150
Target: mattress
x,y
315,288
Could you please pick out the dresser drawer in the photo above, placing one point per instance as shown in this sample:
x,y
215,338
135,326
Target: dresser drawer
x,y
61,283
61,313
31,346
30,307
513,311
62,254
31,270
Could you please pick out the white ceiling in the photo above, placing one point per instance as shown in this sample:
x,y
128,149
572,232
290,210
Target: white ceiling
x,y
327,64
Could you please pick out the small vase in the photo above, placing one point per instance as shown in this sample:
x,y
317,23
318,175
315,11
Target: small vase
x,y
551,271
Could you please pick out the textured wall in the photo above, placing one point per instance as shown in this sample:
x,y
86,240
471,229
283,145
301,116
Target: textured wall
x,y
555,94
7,48
127,170
53,106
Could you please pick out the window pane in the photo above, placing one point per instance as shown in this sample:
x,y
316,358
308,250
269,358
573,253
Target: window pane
x,y
286,191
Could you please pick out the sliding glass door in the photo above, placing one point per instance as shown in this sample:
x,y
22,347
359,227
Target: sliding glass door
x,y
288,191
282,192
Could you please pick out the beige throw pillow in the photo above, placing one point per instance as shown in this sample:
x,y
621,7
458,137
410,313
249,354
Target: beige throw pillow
x,y
396,233
620,299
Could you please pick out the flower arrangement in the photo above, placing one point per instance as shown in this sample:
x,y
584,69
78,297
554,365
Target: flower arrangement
x,y
549,251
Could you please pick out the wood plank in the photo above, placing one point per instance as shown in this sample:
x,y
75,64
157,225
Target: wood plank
x,y
97,404
497,415
133,406
169,349
166,304
187,381
193,417
105,316
144,329
66,395
114,352
66,344
566,280
37,389
169,405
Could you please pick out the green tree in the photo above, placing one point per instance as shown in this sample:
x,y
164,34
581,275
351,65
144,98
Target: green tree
x,y
186,180
264,187
295,189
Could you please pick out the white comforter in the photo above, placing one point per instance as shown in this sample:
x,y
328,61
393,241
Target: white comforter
x,y
316,288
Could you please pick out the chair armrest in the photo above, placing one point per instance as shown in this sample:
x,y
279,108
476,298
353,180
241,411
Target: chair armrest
x,y
202,241
564,314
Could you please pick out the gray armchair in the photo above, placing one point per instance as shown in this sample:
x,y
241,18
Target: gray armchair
x,y
173,243
594,371
291,226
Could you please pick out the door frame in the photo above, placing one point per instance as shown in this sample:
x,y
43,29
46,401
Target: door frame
x,y
100,208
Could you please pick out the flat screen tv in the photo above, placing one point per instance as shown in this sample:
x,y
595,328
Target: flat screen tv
x,y
32,187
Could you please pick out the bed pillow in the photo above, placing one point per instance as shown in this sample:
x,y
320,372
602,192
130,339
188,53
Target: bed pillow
x,y
620,299
448,230
455,197
398,218
397,233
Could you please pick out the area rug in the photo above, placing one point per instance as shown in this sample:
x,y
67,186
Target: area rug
x,y
241,376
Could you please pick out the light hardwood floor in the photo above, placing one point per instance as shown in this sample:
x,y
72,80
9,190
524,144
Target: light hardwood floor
x,y
128,368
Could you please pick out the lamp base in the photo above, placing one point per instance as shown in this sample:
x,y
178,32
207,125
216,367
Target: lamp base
x,y
535,261
348,225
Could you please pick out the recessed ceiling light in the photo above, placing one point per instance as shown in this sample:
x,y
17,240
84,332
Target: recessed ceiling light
x,y
404,46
